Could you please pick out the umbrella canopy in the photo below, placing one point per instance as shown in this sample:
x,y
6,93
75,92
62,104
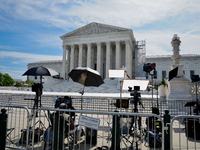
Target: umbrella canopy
x,y
40,71
86,76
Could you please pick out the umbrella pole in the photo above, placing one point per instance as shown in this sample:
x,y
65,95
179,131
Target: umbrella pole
x,y
82,97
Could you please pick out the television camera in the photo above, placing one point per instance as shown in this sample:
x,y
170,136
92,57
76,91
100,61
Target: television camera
x,y
37,88
136,97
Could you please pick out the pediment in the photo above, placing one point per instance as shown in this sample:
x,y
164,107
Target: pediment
x,y
95,28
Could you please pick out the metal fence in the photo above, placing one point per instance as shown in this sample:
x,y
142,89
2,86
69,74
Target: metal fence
x,y
116,130
19,118
97,129
100,104
185,132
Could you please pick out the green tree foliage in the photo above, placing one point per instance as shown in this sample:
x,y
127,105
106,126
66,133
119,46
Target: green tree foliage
x,y
1,79
29,82
7,80
18,84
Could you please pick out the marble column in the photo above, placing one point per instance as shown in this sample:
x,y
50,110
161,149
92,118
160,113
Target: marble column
x,y
99,58
68,61
80,57
64,63
107,58
118,55
72,58
89,55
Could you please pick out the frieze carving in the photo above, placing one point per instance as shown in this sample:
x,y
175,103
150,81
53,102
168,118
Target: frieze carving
x,y
95,28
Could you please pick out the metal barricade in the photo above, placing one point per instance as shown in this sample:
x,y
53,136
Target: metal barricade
x,y
99,104
97,129
185,132
18,119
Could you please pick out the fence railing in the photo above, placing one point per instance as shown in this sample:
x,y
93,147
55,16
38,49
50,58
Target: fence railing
x,y
96,129
100,104
185,132
114,130
19,118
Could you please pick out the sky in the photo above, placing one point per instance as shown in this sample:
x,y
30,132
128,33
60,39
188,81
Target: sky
x,y
30,30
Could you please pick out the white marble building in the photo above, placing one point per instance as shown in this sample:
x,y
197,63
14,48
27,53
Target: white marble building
x,y
190,62
102,47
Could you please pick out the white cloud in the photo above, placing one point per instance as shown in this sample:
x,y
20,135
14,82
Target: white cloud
x,y
27,57
159,42
47,39
125,13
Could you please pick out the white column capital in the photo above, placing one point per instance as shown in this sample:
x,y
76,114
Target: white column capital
x,y
127,42
107,42
72,45
64,47
88,44
117,42
98,43
80,45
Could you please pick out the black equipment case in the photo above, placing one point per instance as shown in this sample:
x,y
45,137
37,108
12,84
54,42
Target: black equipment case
x,y
91,135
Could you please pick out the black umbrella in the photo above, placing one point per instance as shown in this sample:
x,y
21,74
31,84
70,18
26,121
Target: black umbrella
x,y
87,77
40,71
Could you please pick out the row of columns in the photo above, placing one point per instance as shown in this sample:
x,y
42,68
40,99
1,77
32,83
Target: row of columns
x,y
128,57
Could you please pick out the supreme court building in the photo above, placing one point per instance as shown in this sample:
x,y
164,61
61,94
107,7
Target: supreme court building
x,y
100,47
103,47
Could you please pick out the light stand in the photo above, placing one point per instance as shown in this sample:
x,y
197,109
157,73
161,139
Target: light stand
x,y
197,102
148,68
117,73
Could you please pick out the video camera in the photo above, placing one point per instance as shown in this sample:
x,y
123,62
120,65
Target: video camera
x,y
148,67
37,87
64,99
136,95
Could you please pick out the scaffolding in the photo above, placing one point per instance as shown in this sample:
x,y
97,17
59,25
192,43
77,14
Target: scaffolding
x,y
140,58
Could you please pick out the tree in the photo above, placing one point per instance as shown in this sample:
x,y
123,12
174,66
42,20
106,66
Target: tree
x,y
18,84
30,82
1,79
7,80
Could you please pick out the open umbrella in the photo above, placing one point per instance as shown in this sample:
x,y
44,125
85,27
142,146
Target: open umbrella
x,y
40,71
87,77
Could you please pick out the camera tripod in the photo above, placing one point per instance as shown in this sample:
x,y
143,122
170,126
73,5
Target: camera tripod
x,y
135,119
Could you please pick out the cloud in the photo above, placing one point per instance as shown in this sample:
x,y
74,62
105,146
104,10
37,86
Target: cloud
x,y
158,42
47,39
27,57
74,14
3,47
